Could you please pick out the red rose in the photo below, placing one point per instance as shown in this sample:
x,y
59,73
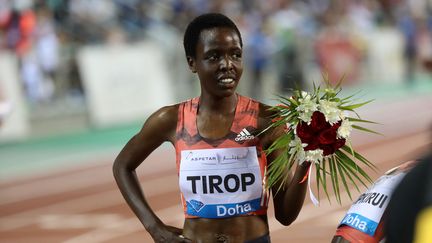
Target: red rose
x,y
319,122
336,125
320,134
339,143
304,132
327,149
312,145
327,136
331,148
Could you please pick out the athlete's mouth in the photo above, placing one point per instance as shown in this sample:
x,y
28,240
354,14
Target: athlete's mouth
x,y
226,80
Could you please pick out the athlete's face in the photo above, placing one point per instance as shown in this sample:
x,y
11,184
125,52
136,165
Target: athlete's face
x,y
218,61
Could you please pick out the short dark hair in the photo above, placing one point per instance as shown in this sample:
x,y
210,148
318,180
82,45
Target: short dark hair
x,y
203,22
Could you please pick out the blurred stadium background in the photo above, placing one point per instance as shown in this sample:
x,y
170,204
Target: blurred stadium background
x,y
79,77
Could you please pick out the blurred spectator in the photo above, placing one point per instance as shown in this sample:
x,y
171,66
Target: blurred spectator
x,y
415,23
132,17
91,19
385,54
38,89
407,26
287,22
424,43
46,47
5,106
18,26
259,50
385,40
336,51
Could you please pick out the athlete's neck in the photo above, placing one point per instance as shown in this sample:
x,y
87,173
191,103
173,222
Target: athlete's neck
x,y
224,105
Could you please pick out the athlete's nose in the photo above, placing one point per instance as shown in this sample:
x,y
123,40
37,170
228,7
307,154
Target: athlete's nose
x,y
226,63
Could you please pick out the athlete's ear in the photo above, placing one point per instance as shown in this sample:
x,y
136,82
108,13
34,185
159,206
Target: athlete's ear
x,y
191,63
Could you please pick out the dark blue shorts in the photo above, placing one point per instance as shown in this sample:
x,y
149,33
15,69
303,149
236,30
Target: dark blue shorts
x,y
262,239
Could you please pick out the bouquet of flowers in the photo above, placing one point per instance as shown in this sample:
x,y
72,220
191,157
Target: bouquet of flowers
x,y
318,130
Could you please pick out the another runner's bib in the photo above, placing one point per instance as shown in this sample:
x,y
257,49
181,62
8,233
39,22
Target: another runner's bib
x,y
365,214
218,183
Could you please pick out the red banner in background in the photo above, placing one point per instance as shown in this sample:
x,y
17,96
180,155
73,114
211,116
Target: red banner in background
x,y
338,56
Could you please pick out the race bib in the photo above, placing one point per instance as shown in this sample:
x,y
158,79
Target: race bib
x,y
365,214
219,183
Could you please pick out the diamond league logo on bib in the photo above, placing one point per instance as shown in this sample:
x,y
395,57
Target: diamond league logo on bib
x,y
196,205
219,183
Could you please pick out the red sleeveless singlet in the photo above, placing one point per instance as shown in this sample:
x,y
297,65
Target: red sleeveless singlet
x,y
223,177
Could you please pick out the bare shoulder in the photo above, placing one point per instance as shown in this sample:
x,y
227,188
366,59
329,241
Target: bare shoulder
x,y
166,115
157,129
162,123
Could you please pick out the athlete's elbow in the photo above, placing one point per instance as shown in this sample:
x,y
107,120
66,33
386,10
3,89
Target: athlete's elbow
x,y
286,220
118,169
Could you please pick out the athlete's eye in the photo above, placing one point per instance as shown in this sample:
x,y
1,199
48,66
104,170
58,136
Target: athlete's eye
x,y
213,57
237,55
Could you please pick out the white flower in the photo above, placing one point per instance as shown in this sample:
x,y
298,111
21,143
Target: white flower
x,y
293,127
343,114
315,156
330,110
296,146
306,117
345,129
307,107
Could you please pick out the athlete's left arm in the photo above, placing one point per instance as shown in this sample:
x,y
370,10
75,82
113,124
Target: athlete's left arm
x,y
288,196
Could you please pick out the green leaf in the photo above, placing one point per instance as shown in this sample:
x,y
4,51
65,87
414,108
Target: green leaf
x,y
353,173
280,143
354,106
318,179
324,180
360,120
349,97
333,178
288,100
342,175
277,168
339,83
349,164
365,129
275,173
362,159
348,173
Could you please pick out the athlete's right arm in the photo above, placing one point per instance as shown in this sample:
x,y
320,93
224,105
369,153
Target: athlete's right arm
x,y
159,127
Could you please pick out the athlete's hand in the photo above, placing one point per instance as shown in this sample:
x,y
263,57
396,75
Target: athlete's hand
x,y
167,233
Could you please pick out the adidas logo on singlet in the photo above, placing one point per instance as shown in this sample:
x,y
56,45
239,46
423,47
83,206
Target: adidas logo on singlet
x,y
244,135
